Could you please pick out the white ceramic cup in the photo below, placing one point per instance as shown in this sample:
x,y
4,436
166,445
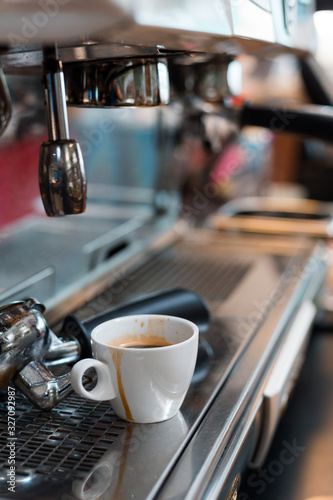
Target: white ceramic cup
x,y
144,384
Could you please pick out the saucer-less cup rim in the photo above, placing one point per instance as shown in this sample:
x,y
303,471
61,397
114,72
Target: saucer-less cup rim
x,y
142,317
106,390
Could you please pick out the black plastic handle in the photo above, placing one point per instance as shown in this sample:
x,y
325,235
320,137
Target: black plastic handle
x,y
177,302
313,121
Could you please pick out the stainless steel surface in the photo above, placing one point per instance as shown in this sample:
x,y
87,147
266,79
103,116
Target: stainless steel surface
x,y
254,286
24,340
61,351
103,84
64,20
42,389
251,309
236,401
283,377
201,82
55,99
24,336
233,490
62,177
13,61
304,437
44,260
215,27
5,103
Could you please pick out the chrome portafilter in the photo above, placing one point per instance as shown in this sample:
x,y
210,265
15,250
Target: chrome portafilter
x,y
25,338
62,177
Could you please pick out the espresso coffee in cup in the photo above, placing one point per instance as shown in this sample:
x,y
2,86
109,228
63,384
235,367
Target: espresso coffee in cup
x,y
144,365
144,344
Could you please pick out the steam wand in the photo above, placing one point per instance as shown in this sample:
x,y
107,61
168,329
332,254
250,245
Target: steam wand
x,y
62,177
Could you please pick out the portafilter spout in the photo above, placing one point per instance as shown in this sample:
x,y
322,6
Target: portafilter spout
x,y
62,177
24,339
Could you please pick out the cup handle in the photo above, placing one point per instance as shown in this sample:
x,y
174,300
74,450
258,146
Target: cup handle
x,y
103,391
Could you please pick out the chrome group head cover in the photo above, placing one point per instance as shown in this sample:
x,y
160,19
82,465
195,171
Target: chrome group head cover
x,y
106,84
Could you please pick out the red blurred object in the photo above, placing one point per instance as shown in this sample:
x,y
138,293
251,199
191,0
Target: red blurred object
x,y
228,164
19,186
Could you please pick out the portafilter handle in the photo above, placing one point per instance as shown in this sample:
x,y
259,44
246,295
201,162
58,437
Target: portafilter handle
x,y
62,177
309,120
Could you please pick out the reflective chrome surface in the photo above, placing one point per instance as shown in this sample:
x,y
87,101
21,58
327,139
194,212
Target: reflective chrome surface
x,y
5,103
25,339
225,433
103,84
115,469
43,389
62,177
23,335
202,76
134,28
54,94
61,351
31,22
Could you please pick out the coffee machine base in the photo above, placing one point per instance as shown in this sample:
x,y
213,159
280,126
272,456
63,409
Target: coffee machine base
x,y
261,293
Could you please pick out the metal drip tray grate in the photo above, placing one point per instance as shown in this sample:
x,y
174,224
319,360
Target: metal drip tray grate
x,y
64,443
213,279
212,276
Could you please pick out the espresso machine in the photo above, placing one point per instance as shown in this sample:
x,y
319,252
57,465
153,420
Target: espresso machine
x,y
100,226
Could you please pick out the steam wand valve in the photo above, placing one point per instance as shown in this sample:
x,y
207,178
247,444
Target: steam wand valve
x,y
62,177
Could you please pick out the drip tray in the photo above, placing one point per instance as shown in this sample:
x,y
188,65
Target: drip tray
x,y
82,450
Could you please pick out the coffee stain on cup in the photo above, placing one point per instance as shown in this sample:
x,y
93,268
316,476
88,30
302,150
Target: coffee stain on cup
x,y
156,327
153,336
117,357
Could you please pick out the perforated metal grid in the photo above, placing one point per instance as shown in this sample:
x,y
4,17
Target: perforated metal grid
x,y
61,443
202,272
